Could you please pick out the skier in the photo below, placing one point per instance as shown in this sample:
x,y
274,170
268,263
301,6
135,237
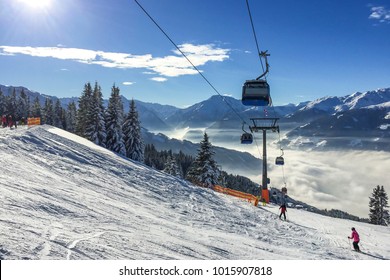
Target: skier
x,y
10,121
283,207
4,121
283,210
356,239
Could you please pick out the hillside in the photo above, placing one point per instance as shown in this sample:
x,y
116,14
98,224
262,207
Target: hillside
x,y
230,160
66,198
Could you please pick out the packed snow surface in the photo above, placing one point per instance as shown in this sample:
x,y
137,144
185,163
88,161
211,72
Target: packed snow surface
x,y
63,197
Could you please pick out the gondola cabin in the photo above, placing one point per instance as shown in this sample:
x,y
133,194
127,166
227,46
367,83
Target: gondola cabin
x,y
256,93
279,161
246,138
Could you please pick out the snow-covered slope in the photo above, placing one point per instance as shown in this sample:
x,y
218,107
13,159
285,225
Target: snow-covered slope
x,y
66,198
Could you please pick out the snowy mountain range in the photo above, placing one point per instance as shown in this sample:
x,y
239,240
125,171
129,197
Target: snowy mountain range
x,y
357,121
64,198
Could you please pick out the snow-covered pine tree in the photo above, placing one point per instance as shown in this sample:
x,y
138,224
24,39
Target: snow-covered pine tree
x,y
378,202
184,161
48,112
11,103
70,119
58,115
132,137
84,107
114,121
36,110
95,129
204,170
150,155
172,167
2,103
23,107
385,200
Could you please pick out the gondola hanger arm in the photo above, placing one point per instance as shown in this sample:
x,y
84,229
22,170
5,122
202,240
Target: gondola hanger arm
x,y
264,54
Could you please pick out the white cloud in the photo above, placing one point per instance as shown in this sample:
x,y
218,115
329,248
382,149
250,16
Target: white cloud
x,y
168,66
128,83
380,13
159,79
341,180
333,179
5,53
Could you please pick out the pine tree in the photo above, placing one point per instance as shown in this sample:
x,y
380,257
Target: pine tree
x,y
57,115
11,104
48,112
384,202
204,170
132,137
84,107
172,167
36,110
2,103
23,107
95,126
71,117
150,155
185,162
114,121
63,119
378,202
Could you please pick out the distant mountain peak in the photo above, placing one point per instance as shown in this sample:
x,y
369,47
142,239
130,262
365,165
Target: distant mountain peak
x,y
356,100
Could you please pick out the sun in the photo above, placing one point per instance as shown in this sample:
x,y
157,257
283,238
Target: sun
x,y
36,4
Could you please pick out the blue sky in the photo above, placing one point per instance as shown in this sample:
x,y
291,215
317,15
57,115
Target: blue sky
x,y
318,48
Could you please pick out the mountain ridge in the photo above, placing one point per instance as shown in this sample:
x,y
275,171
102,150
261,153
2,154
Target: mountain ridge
x,y
219,114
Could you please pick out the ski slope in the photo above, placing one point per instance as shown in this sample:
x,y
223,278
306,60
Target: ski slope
x,y
63,197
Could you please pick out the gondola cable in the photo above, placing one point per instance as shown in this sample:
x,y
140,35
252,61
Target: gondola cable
x,y
254,34
193,65
198,71
256,92
279,160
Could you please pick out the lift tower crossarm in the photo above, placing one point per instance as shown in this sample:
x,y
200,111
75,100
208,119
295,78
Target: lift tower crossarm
x,y
264,124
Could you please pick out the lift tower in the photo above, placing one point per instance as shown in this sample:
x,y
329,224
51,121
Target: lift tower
x,y
264,124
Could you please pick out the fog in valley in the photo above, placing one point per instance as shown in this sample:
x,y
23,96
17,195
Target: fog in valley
x,y
342,179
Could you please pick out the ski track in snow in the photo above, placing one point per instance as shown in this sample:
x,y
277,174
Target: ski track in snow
x,y
66,198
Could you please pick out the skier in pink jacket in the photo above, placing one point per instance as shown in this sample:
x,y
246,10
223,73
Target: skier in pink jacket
x,y
355,237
